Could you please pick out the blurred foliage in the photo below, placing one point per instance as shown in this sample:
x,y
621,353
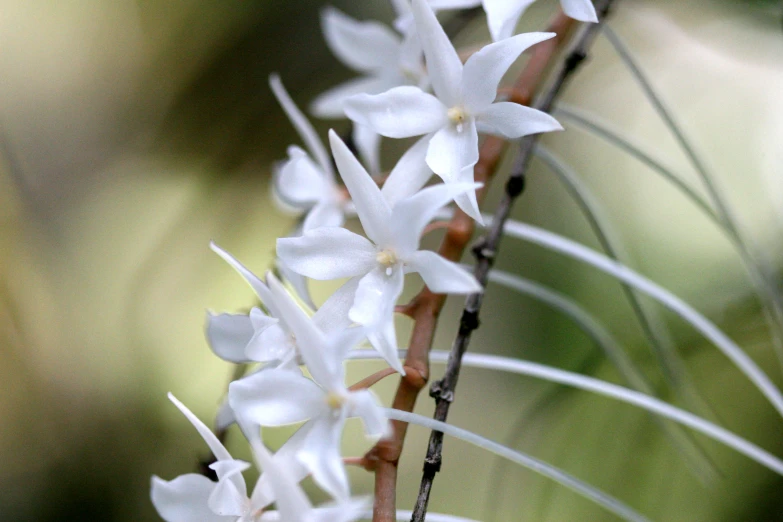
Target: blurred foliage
x,y
133,132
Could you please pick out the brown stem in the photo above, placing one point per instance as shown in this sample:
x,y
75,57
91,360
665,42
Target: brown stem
x,y
426,306
372,379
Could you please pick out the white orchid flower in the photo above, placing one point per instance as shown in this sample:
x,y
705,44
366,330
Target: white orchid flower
x,y
306,181
379,262
277,398
385,58
260,338
462,105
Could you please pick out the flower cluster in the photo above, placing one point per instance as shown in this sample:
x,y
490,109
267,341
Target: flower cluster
x,y
414,84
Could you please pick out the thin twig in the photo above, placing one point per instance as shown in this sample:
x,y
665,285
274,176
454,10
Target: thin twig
x,y
426,306
486,250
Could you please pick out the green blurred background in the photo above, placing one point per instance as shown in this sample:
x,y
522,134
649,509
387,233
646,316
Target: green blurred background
x,y
133,132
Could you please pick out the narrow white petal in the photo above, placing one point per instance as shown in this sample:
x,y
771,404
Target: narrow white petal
x,y
400,112
218,450
366,406
345,511
443,63
270,344
441,275
332,316
485,69
364,46
409,174
383,337
329,104
512,120
228,335
269,484
582,10
327,253
310,341
274,398
452,150
454,4
184,499
411,215
260,288
321,454
302,125
368,144
503,15
371,207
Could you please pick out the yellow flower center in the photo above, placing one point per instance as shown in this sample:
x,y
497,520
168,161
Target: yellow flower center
x,y
335,401
457,116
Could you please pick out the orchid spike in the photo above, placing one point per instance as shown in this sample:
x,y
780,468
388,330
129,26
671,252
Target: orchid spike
x,y
380,262
461,107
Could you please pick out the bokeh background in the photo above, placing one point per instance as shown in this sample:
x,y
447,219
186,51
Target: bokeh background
x,y
133,132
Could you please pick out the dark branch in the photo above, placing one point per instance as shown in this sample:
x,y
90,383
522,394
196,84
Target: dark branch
x,y
486,250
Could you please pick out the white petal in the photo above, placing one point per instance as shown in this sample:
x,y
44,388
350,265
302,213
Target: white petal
x,y
400,112
366,406
364,46
466,200
582,10
371,207
302,125
309,339
332,316
451,150
292,503
224,416
441,275
329,104
327,253
260,288
485,69
184,499
411,215
326,214
299,181
218,450
383,339
270,344
275,398
226,498
268,486
454,4
228,335
514,121
409,174
321,454
443,63
368,144
376,296
503,15
338,345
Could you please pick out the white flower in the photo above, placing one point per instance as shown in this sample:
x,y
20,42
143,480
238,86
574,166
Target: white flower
x,y
380,262
261,338
462,105
276,398
385,58
307,182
